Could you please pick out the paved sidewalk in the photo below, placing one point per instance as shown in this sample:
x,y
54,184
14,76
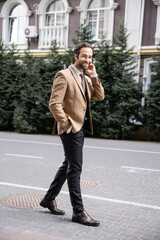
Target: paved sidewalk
x,y
124,196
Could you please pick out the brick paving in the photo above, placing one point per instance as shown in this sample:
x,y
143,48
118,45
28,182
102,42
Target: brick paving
x,y
119,221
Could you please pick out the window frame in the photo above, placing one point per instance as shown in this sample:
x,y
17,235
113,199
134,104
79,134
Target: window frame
x,y
42,19
97,10
83,9
147,75
55,16
7,7
18,19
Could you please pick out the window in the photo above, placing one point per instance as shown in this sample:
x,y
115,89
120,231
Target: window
x,y
17,21
148,73
55,15
15,17
98,18
53,23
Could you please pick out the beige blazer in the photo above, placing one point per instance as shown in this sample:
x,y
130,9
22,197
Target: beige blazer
x,y
68,102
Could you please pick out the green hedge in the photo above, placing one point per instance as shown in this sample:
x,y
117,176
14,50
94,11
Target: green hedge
x,y
25,88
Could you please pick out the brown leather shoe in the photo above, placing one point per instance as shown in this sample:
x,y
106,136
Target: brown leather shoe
x,y
52,206
85,219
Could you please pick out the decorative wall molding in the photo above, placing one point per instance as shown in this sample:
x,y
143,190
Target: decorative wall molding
x,y
79,9
29,13
157,38
44,3
156,2
114,6
157,33
69,10
1,15
9,4
84,5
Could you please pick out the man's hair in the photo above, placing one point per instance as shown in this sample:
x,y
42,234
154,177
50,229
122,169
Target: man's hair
x,y
78,48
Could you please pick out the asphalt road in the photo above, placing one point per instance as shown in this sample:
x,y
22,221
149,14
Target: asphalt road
x,y
120,187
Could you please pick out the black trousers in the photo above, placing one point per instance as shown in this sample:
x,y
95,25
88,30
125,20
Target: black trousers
x,y
71,170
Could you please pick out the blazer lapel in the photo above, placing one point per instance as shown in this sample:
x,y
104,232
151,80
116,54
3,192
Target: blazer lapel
x,y
74,74
87,88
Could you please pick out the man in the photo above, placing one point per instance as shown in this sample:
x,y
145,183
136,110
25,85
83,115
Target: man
x,y
69,104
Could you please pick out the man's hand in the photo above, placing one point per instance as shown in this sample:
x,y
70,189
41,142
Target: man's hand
x,y
91,70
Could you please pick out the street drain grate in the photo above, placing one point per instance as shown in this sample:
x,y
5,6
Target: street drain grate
x,y
22,201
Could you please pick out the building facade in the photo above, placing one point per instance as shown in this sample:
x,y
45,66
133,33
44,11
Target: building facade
x,y
35,23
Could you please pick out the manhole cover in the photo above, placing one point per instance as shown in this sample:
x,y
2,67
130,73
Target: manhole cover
x,y
88,183
31,201
22,201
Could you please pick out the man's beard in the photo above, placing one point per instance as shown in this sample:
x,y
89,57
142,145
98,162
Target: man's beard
x,y
83,67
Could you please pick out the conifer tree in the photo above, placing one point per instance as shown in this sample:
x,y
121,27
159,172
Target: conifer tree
x,y
83,34
53,63
32,114
22,120
114,116
100,110
122,103
152,104
10,71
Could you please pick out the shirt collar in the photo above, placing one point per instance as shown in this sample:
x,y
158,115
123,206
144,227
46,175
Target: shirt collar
x,y
76,70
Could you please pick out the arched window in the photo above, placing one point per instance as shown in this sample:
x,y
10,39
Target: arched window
x,y
15,17
98,15
17,21
55,14
53,23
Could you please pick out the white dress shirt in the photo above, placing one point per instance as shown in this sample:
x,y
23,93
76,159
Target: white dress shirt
x,y
78,72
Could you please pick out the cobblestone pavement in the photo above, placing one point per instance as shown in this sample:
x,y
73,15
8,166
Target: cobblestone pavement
x,y
120,187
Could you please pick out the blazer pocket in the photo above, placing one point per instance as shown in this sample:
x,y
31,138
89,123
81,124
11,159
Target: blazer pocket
x,y
67,126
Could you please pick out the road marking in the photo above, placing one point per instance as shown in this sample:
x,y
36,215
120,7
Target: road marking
x,y
143,169
22,186
25,156
85,146
86,196
25,141
122,149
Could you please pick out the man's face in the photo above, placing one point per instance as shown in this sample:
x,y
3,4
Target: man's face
x,y
84,59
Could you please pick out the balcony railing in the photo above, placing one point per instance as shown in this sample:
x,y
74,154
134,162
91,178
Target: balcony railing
x,y
49,33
